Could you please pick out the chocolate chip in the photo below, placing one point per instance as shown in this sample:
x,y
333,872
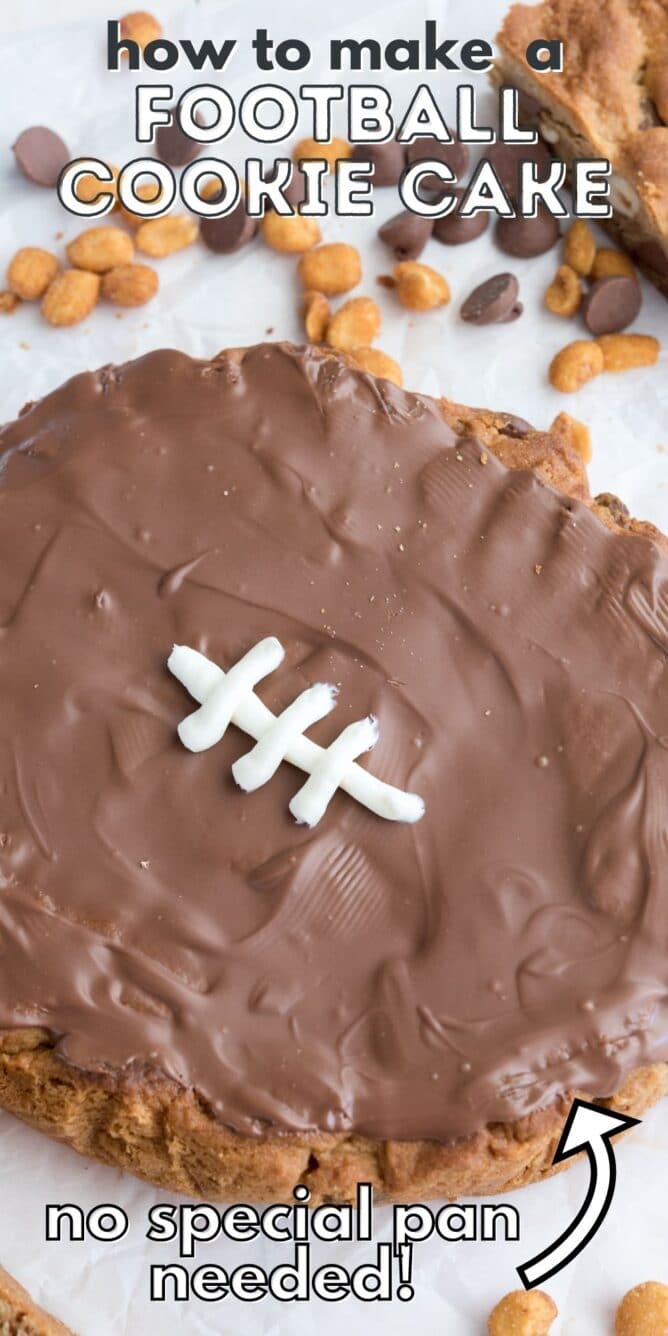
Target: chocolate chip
x,y
406,234
388,161
174,146
507,160
224,235
454,230
515,427
493,302
611,304
455,155
526,237
41,155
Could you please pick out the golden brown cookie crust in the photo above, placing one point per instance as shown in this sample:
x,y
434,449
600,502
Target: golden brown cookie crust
x,y
610,100
19,1316
162,1132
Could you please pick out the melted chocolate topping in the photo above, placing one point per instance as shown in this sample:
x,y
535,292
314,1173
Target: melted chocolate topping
x,y
404,981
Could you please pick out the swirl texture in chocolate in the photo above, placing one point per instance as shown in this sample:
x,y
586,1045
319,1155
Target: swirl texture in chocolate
x,y
403,981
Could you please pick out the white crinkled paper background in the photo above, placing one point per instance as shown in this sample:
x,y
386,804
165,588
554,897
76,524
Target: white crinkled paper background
x,y
52,71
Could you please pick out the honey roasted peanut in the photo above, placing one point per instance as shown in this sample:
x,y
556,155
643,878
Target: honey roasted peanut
x,y
8,303
564,294
419,287
331,152
575,364
147,190
158,237
624,352
643,1311
31,271
71,297
316,314
140,27
354,325
100,249
378,364
522,1313
130,284
333,269
88,187
608,263
290,235
580,247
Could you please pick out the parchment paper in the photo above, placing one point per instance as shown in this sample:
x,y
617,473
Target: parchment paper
x,y
52,71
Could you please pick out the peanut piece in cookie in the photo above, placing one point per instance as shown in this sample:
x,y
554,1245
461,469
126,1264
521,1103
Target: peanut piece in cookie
x,y
623,352
71,297
564,294
332,269
163,236
522,1313
575,364
100,249
643,1311
30,272
316,314
354,325
130,284
419,287
580,247
290,235
575,432
378,364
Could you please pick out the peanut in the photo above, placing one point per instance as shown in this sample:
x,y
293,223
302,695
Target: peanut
x,y
608,262
290,235
623,352
355,324
147,190
577,363
88,187
316,313
331,269
99,249
564,293
580,247
522,1313
31,271
158,237
575,432
310,148
130,284
378,364
71,297
419,287
8,303
140,27
643,1311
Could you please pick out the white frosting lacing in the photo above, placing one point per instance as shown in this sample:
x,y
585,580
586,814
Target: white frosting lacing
x,y
229,697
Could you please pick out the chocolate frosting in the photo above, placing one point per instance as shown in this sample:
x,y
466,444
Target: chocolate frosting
x,y
402,981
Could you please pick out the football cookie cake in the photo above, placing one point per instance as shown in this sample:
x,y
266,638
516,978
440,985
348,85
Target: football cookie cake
x,y
366,877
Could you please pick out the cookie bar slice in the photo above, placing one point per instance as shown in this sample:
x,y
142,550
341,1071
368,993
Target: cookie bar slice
x,y
19,1316
610,101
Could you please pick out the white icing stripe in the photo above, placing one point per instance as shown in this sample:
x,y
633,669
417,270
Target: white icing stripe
x,y
257,766
206,726
201,678
311,802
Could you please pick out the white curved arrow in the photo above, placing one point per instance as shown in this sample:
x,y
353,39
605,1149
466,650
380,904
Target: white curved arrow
x,y
587,1128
